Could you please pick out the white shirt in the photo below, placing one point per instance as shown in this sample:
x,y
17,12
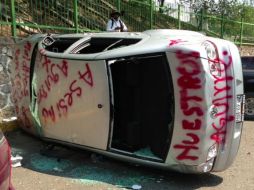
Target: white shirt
x,y
116,23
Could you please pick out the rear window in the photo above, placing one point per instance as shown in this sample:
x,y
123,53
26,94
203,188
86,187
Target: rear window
x,y
248,62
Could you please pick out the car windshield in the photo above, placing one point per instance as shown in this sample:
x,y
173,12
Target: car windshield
x,y
248,63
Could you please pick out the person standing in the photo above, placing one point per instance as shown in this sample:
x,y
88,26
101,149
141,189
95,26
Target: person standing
x,y
115,24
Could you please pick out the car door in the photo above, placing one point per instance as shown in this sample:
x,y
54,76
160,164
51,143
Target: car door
x,y
71,100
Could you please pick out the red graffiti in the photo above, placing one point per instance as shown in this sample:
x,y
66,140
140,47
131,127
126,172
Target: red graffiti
x,y
67,100
64,103
27,50
196,125
22,67
49,113
17,93
61,107
194,139
42,93
174,42
87,76
53,76
26,67
189,81
189,70
16,59
64,68
25,55
185,154
24,118
222,95
184,55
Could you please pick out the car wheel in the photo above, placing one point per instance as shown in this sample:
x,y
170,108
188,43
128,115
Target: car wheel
x,y
249,106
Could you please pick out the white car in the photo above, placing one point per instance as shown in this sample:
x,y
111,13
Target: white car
x,y
165,98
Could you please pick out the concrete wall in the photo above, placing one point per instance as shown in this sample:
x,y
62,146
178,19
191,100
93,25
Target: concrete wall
x,y
6,106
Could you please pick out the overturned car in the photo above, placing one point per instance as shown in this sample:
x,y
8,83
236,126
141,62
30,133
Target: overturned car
x,y
166,98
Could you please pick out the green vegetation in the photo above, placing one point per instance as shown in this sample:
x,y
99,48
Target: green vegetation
x,y
228,19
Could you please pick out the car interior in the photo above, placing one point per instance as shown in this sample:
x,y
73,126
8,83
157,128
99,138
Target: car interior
x,y
143,106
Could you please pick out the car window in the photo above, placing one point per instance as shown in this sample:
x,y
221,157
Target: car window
x,y
96,45
90,45
59,45
248,63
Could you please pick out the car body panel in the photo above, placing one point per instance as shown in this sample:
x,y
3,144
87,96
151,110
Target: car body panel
x,y
21,93
218,95
234,82
5,164
74,88
61,100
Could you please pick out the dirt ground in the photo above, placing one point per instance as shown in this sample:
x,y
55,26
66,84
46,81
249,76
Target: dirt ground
x,y
246,50
66,168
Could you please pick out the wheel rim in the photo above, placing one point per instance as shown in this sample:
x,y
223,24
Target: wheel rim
x,y
249,106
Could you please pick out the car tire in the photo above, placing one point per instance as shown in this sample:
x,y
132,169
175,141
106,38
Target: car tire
x,y
249,106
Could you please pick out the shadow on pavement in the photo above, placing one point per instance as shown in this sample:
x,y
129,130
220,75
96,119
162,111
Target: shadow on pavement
x,y
87,168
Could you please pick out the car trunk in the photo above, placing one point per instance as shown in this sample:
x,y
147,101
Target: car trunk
x,y
143,106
